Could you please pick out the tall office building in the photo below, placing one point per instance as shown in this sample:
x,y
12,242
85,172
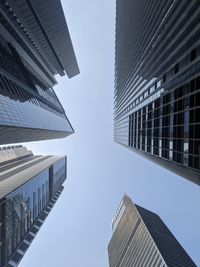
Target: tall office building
x,y
157,82
34,46
140,238
29,187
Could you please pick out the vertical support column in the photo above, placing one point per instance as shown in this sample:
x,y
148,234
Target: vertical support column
x,y
146,116
171,131
135,130
161,125
186,130
136,122
152,126
129,131
51,182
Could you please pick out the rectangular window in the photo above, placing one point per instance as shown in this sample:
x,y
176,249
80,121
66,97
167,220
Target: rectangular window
x,y
193,54
164,78
176,68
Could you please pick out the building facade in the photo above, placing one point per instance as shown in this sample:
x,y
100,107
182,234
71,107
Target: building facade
x,y
35,45
157,82
140,238
29,187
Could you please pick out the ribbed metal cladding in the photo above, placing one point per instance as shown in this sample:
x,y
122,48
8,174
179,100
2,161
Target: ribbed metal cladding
x,y
52,18
46,23
142,239
157,82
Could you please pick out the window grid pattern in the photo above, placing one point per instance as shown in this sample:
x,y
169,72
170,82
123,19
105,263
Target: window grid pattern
x,y
157,72
170,130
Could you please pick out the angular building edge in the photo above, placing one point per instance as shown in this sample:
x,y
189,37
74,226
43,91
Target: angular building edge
x,y
35,45
141,238
182,171
157,83
29,187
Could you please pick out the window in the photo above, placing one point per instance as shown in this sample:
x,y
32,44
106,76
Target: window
x,y
176,68
152,89
158,84
193,54
164,78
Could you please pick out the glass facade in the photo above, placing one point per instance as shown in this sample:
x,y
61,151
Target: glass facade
x,y
26,105
178,139
59,174
28,64
21,209
156,100
140,238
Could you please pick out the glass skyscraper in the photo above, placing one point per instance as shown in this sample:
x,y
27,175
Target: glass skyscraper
x,y
157,82
140,238
35,45
29,187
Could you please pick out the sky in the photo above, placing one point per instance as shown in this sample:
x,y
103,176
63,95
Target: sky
x,y
78,229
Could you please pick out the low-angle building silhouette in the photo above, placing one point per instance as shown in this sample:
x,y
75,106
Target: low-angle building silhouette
x,y
35,45
140,238
29,187
157,82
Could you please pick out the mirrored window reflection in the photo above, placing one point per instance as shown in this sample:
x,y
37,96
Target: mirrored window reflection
x,y
171,150
59,174
22,208
186,149
169,127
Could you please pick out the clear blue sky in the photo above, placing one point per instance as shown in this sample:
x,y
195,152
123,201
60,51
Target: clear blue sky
x,y
77,231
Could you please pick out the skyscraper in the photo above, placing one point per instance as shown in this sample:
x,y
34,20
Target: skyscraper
x,y
157,82
140,238
34,46
29,187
